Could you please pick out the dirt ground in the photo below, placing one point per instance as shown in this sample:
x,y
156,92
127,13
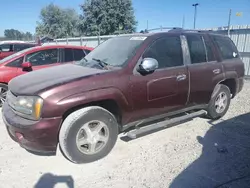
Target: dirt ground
x,y
199,153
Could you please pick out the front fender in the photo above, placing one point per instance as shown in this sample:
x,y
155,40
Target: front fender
x,y
92,96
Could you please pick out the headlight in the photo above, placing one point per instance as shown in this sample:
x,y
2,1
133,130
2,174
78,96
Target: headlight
x,y
26,106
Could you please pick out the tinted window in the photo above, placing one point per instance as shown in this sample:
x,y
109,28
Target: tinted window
x,y
167,51
19,47
210,54
78,54
16,63
68,55
43,57
196,49
226,46
6,47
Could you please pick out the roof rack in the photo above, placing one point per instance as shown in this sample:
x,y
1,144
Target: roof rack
x,y
176,29
160,28
191,30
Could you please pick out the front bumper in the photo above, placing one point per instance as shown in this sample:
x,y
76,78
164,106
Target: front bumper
x,y
36,136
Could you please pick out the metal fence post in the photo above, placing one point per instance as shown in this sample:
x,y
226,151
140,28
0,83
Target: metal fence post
x,y
81,40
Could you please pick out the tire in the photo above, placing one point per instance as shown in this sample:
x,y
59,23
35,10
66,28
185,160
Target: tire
x,y
212,110
72,127
3,91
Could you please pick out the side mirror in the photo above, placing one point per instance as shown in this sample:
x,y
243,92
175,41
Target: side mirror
x,y
148,66
26,66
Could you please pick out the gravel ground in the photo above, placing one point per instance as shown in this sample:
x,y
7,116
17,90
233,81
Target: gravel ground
x,y
199,153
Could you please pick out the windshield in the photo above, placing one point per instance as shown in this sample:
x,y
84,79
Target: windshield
x,y
14,55
115,51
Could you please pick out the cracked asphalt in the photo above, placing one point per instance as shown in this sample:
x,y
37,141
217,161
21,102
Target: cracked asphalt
x,y
199,153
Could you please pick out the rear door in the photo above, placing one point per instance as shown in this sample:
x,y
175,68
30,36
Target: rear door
x,y
205,71
232,64
167,88
6,50
41,59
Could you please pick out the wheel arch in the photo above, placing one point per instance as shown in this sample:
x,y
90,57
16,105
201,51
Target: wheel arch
x,y
231,83
111,99
109,104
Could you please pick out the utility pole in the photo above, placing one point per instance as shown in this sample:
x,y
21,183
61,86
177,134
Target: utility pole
x,y
147,24
195,12
229,22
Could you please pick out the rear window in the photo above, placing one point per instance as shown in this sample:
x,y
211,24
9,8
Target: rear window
x,y
19,47
6,47
226,47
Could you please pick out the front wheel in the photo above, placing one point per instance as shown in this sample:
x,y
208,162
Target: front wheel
x,y
88,134
219,103
3,92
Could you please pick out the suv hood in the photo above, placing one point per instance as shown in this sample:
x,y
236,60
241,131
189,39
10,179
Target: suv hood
x,y
36,81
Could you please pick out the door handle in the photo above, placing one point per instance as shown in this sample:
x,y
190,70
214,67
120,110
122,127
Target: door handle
x,y
181,77
216,71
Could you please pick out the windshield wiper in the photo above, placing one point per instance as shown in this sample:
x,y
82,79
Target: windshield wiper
x,y
100,62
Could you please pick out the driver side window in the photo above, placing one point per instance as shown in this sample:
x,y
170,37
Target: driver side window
x,y
167,51
43,57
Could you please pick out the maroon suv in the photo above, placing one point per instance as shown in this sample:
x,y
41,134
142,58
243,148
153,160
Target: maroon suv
x,y
124,84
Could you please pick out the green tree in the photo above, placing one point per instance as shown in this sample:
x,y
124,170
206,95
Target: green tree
x,y
57,22
106,17
27,36
13,34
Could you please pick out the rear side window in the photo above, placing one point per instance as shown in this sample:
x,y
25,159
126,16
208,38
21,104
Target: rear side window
x,y
16,63
6,47
68,55
196,49
167,51
19,47
226,47
78,54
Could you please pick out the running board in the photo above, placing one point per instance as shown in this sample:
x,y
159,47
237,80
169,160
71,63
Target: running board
x,y
163,124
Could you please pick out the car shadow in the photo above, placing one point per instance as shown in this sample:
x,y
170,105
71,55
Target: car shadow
x,y
49,180
224,161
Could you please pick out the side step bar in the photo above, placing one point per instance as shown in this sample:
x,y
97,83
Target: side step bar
x,y
163,124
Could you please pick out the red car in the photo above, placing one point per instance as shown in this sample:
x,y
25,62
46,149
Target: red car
x,y
37,58
8,48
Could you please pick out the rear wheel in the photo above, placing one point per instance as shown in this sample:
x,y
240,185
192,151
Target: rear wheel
x,y
219,103
88,134
3,92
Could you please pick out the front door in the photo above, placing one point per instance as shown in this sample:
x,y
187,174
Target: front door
x,y
167,88
205,70
41,59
